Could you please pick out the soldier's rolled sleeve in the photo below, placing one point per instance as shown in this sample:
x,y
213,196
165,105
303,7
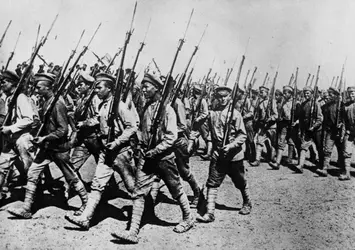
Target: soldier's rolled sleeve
x,y
24,114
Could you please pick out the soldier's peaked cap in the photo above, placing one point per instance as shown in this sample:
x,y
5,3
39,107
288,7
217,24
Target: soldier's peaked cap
x,y
104,77
44,77
263,88
153,79
287,88
351,89
86,78
10,75
307,88
333,90
223,88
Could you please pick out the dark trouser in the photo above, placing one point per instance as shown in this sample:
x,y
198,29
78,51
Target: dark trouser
x,y
330,139
250,146
182,157
218,170
61,159
315,137
89,146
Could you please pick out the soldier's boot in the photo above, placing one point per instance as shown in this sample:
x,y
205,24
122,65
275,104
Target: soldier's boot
x,y
346,175
190,147
211,204
80,189
24,211
131,235
194,186
247,206
258,150
208,155
83,220
188,221
302,159
276,165
324,170
290,154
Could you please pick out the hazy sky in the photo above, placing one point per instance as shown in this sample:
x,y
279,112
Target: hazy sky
x,y
283,33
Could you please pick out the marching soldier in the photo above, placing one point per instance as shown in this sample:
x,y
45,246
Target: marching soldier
x,y
200,126
53,147
120,149
310,133
283,125
349,123
159,161
265,125
16,135
86,142
248,115
227,160
331,131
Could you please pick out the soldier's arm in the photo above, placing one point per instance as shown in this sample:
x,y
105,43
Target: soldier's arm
x,y
249,110
170,132
274,113
240,133
24,109
204,111
319,117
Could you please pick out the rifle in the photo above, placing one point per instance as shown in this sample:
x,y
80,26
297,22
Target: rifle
x,y
338,122
309,75
12,53
130,80
188,85
3,35
293,108
183,76
248,91
169,83
156,66
312,111
62,86
117,91
18,89
271,98
258,100
231,107
113,60
70,58
98,58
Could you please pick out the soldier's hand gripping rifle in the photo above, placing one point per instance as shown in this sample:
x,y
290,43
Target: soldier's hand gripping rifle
x,y
3,35
230,113
117,95
12,53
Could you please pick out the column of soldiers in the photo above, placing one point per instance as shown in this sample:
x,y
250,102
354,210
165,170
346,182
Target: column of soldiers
x,y
261,123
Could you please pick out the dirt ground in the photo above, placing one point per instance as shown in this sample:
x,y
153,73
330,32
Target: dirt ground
x,y
290,211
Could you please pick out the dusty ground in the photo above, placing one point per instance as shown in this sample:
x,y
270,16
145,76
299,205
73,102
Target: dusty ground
x,y
290,211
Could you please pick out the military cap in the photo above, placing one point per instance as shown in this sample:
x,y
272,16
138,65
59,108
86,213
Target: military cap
x,y
279,92
86,78
333,90
47,77
10,76
240,91
254,91
222,88
153,79
351,89
104,77
197,89
263,88
307,88
287,88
